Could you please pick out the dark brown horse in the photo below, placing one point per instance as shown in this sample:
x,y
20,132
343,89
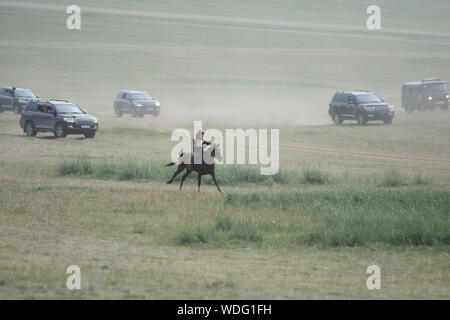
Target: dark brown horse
x,y
186,162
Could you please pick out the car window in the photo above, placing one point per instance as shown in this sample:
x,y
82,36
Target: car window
x,y
68,108
31,106
435,88
351,99
343,98
40,108
124,96
24,93
141,96
368,98
336,97
50,109
2,91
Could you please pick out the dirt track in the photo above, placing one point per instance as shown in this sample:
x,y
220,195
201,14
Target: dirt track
x,y
267,24
384,156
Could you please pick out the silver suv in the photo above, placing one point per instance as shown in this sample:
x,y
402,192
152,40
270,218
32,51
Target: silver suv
x,y
137,103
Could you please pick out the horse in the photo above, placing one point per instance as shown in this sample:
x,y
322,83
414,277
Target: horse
x,y
185,162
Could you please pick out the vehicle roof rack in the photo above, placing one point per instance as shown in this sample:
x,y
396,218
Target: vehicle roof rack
x,y
52,99
431,79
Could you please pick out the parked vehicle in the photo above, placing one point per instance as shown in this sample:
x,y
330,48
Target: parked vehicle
x,y
58,116
137,103
359,105
427,94
15,99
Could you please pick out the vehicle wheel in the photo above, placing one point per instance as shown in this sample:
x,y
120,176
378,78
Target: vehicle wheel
x,y
29,129
16,109
59,131
118,112
445,107
156,114
361,119
89,135
387,121
134,113
337,119
422,108
140,115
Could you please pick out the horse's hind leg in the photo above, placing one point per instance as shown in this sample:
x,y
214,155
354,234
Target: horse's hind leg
x,y
188,172
181,167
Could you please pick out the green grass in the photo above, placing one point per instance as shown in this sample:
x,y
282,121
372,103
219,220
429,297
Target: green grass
x,y
348,218
314,176
145,171
225,232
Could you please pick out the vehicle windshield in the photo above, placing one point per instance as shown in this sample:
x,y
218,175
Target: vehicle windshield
x,y
435,88
141,96
67,108
368,98
24,93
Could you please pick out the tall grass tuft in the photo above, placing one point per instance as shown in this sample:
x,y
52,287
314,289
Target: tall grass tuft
x,y
78,167
393,178
314,176
193,235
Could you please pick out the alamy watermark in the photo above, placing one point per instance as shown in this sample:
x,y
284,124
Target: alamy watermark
x,y
74,280
234,140
374,20
73,22
374,280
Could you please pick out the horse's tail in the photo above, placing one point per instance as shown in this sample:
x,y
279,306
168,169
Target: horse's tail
x,y
173,163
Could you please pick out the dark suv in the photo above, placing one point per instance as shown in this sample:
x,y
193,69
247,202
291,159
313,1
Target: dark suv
x,y
15,99
138,103
427,94
58,116
362,106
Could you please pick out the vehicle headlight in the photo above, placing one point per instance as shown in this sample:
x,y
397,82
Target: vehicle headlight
x,y
139,105
69,119
95,120
22,101
448,96
157,104
369,108
391,107
430,98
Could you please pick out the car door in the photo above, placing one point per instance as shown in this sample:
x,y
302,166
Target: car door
x,y
341,104
128,102
337,103
351,105
122,102
38,117
48,117
8,99
2,94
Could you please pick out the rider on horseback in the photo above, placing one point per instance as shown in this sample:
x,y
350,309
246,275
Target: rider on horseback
x,y
197,147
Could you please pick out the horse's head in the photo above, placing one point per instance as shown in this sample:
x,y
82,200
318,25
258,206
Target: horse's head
x,y
215,151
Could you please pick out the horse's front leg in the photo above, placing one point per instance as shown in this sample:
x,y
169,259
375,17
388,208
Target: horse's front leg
x,y
213,175
188,172
199,181
181,167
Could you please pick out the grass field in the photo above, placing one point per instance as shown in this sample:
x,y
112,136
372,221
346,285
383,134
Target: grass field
x,y
346,197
